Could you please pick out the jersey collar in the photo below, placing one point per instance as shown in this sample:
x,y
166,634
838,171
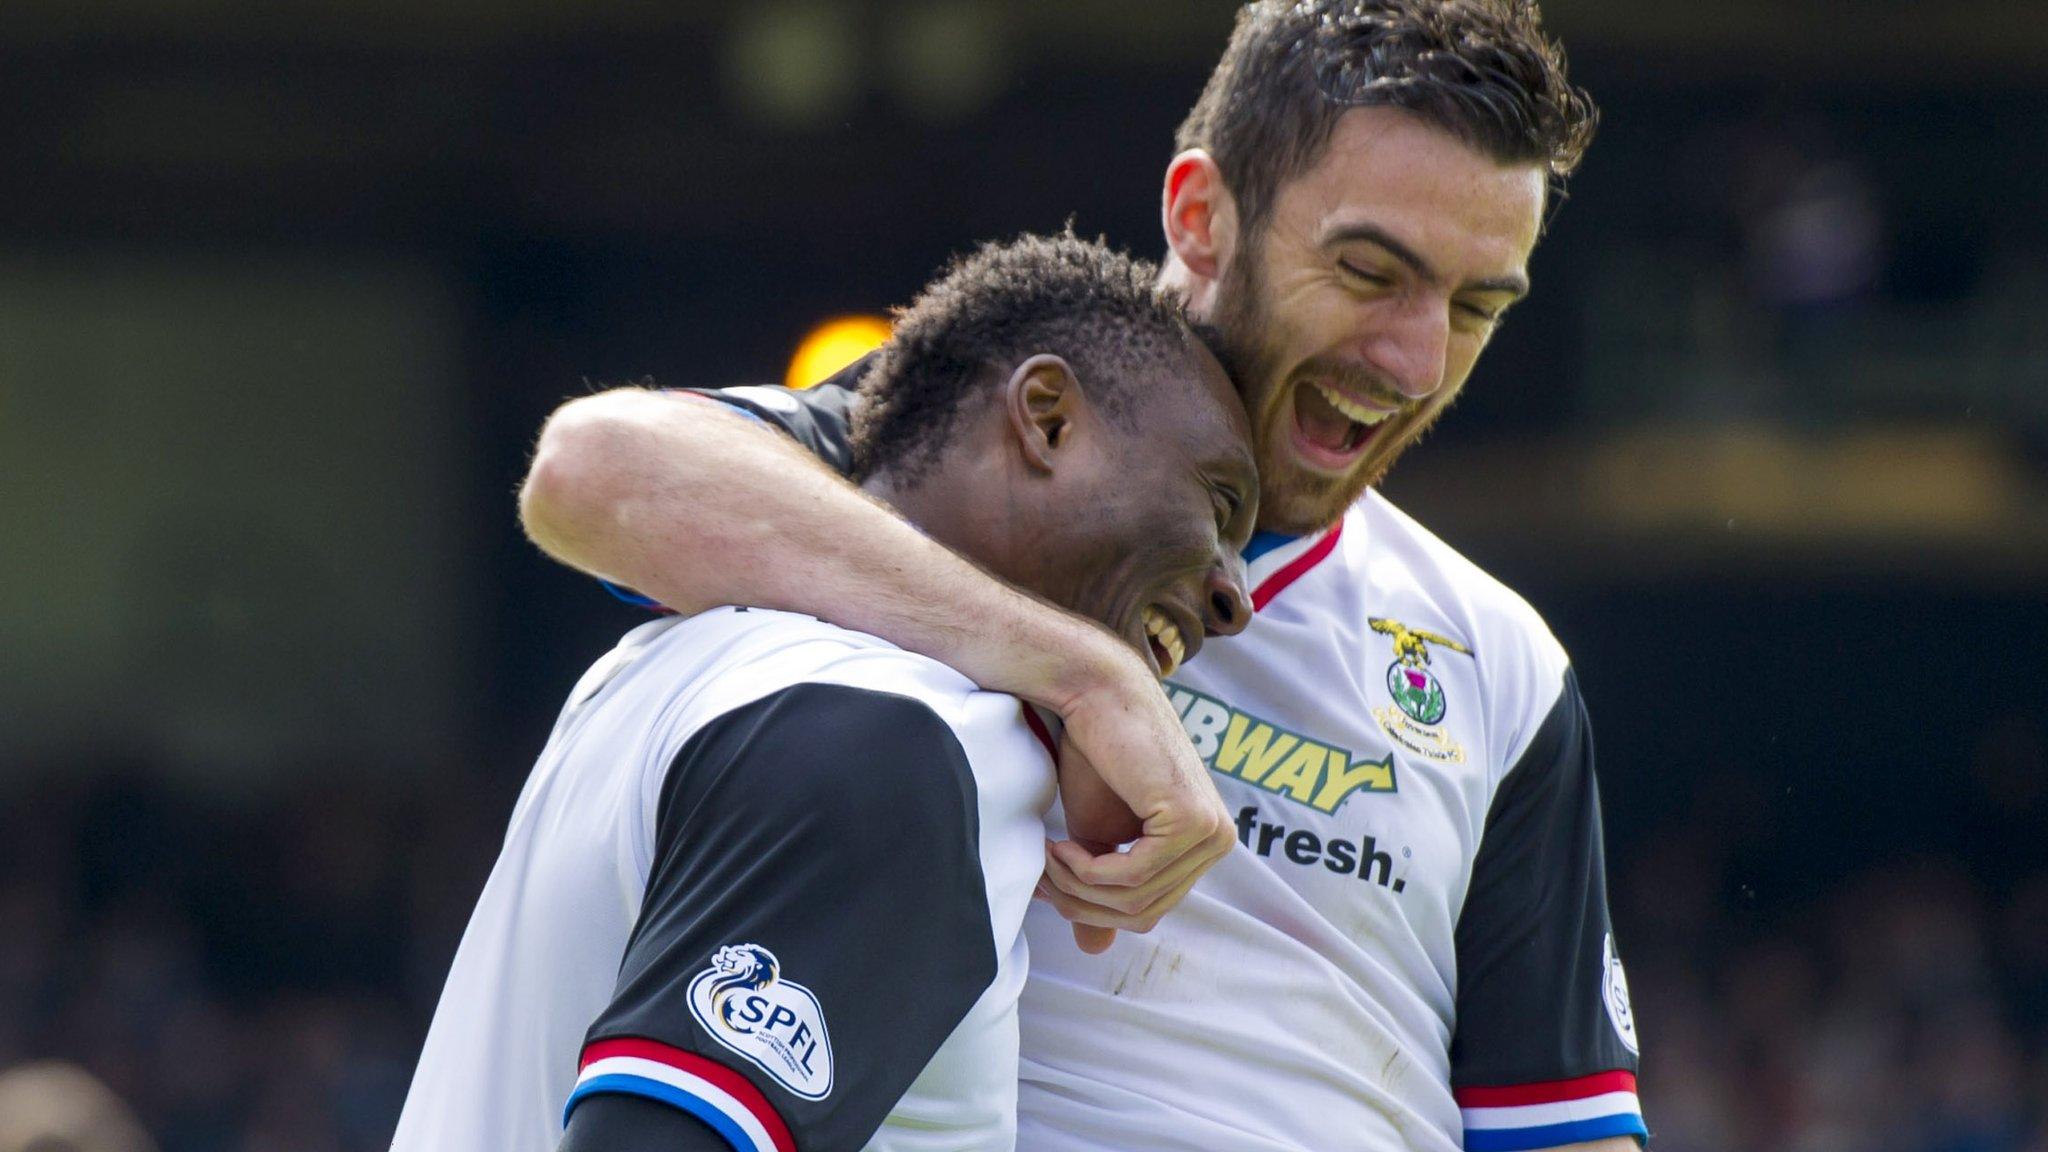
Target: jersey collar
x,y
1275,560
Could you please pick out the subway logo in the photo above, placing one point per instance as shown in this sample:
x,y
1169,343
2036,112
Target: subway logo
x,y
1262,753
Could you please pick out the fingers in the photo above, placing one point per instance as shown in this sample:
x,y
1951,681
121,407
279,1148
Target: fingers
x,y
1127,772
1152,856
1095,926
1092,885
1094,941
1090,938
1135,909
1067,865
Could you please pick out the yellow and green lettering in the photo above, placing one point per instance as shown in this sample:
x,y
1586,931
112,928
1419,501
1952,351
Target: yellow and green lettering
x,y
1344,778
1297,775
1250,749
1278,761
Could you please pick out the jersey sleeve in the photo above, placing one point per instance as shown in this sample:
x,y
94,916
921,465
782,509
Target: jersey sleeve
x,y
615,1122
1544,1051
820,418
815,922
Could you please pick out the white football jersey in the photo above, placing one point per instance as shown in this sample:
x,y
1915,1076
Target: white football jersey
x,y
767,871
1416,900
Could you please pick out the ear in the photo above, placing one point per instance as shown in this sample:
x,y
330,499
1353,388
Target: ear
x,y
1043,401
1200,216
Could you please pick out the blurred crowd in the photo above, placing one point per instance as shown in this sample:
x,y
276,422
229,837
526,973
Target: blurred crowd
x,y
1906,1011
251,976
256,975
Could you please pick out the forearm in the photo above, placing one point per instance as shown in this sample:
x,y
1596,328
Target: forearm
x,y
696,505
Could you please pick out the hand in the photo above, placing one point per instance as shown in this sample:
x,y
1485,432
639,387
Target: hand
x,y
1128,774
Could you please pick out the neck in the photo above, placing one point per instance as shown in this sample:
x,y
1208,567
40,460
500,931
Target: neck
x,y
935,507
972,500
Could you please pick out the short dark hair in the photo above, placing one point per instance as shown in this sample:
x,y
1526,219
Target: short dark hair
x,y
994,308
1482,70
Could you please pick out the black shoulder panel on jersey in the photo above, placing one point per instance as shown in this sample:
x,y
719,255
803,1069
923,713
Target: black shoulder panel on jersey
x,y
1533,939
617,1123
816,919
820,418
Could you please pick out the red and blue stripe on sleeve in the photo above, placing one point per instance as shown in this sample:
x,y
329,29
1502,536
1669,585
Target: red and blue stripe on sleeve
x,y
1553,1114
711,1092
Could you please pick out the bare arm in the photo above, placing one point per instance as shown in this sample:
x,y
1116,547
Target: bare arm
x,y
697,505
1610,1144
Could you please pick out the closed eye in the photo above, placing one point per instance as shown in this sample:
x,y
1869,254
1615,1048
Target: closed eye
x,y
1356,273
1225,509
1229,502
1483,314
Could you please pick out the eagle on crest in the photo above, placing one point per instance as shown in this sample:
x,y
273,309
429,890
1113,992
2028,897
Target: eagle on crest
x,y
1411,645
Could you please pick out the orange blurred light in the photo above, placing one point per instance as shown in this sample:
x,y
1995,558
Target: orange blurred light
x,y
832,346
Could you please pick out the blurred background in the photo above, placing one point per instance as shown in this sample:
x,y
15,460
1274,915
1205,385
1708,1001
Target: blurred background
x,y
286,290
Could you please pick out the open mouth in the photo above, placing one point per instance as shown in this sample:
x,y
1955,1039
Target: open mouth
x,y
1163,639
1332,430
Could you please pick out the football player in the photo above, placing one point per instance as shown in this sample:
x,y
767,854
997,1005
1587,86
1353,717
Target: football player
x,y
768,877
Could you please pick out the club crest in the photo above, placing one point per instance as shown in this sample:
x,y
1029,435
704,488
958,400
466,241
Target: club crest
x,y
1415,688
1416,692
744,1003
1419,700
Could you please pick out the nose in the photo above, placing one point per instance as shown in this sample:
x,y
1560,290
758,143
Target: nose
x,y
1412,350
1226,605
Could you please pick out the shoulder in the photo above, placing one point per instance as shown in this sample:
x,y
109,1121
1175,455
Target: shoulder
x,y
1520,662
1439,573
819,418
829,400
853,737
757,653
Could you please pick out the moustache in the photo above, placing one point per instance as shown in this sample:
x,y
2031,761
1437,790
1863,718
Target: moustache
x,y
1354,380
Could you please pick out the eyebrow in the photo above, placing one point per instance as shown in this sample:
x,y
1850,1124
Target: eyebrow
x,y
1514,283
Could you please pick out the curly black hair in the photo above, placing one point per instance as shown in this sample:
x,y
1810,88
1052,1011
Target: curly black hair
x,y
1482,70
992,309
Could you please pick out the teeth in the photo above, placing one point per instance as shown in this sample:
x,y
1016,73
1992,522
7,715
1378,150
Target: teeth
x,y
1163,630
1353,409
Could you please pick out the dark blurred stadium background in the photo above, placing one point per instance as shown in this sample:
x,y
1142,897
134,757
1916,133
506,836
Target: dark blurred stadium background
x,y
285,291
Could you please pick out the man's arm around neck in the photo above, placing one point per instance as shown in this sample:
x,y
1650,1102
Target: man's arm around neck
x,y
697,505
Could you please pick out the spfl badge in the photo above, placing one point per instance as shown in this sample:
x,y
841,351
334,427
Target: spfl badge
x,y
744,1003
